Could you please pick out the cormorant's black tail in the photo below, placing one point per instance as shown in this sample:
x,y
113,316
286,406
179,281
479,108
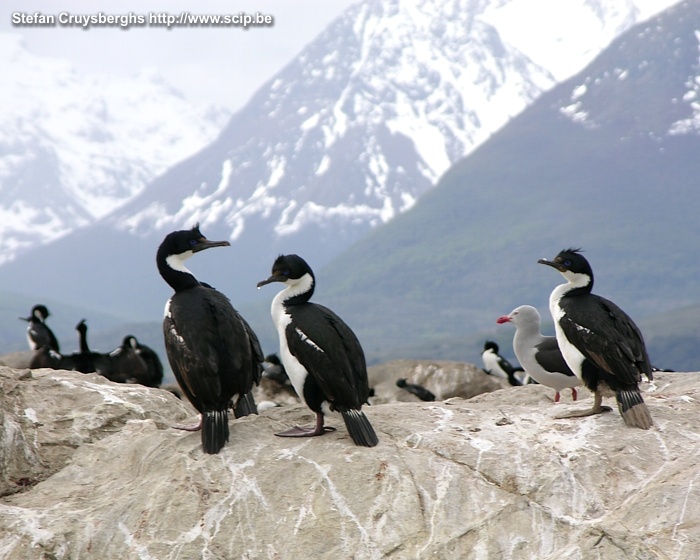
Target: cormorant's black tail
x,y
633,409
245,406
359,428
214,430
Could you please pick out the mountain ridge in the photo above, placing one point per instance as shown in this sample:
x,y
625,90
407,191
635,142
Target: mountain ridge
x,y
325,151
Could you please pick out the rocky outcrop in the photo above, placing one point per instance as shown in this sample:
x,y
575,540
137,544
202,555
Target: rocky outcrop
x,y
92,470
445,379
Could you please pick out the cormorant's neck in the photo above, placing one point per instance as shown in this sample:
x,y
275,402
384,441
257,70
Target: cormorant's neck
x,y
82,336
578,284
298,292
173,270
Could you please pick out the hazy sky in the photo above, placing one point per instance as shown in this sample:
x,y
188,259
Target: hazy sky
x,y
220,65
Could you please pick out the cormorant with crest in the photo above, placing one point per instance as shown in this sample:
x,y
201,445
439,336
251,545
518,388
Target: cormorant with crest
x,y
599,341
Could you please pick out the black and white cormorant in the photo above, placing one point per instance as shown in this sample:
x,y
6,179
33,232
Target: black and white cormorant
x,y
599,341
214,354
538,354
497,365
39,334
321,354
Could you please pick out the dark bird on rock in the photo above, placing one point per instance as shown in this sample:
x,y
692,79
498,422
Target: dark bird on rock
x,y
214,354
321,354
87,361
153,374
497,365
418,390
274,369
599,341
39,334
126,363
538,354
45,357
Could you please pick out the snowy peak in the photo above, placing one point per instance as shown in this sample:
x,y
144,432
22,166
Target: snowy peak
x,y
373,112
621,98
347,137
73,147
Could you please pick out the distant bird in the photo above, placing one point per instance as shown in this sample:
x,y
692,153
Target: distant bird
x,y
418,390
38,332
87,361
321,354
45,357
213,352
153,374
127,364
274,369
497,365
539,355
599,341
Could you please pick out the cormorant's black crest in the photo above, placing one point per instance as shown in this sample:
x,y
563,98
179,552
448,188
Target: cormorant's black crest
x,y
571,261
491,345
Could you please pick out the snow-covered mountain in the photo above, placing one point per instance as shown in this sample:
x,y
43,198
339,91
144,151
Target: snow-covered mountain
x,y
607,161
350,134
73,147
374,111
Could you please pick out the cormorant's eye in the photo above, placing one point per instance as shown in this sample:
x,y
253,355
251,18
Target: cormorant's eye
x,y
285,272
567,263
193,242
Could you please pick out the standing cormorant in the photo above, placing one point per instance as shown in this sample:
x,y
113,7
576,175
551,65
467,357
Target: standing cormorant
x,y
39,334
599,341
321,354
213,352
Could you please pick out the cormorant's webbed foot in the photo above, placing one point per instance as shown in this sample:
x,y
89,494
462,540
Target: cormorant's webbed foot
x,y
318,430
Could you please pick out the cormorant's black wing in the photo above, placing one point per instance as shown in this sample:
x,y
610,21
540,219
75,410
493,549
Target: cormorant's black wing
x,y
205,350
608,337
255,349
331,353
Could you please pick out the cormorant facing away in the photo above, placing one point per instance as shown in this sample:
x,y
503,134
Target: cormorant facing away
x,y
599,341
38,332
153,374
321,354
213,352
126,363
538,354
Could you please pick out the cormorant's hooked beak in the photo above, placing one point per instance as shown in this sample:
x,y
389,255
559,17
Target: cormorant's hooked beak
x,y
25,319
271,279
205,243
553,264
